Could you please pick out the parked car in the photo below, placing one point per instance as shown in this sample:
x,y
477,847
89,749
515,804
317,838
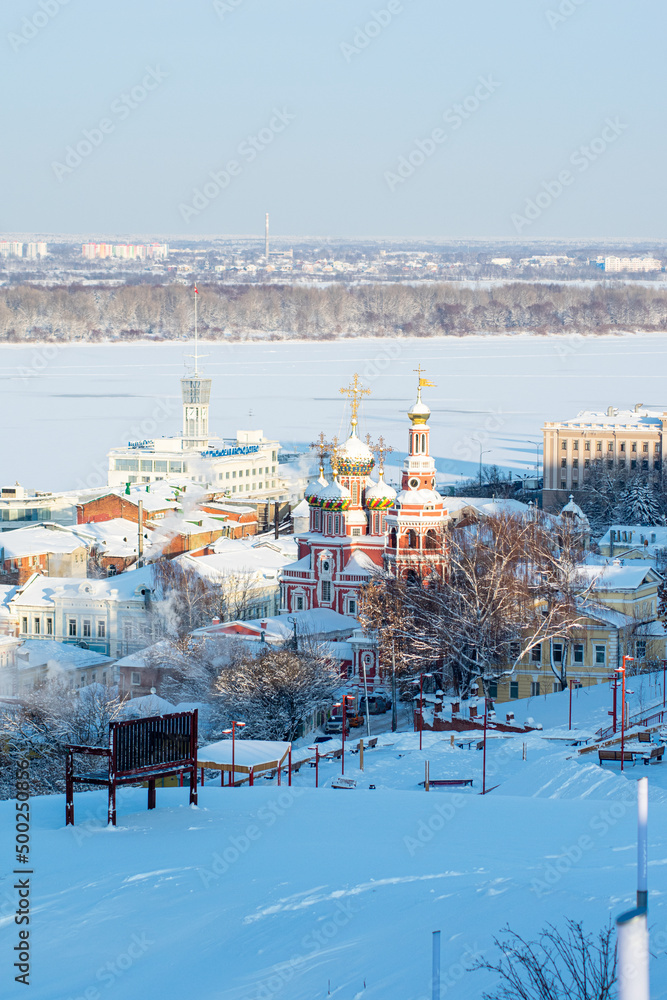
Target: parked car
x,y
376,705
335,726
355,721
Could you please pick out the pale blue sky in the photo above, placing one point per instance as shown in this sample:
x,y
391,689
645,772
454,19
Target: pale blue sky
x,y
355,114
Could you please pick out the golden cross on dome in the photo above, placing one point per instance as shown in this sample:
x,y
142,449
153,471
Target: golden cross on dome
x,y
321,446
423,381
383,449
334,454
354,392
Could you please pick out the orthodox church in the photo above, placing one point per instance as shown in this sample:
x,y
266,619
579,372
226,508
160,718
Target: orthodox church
x,y
359,525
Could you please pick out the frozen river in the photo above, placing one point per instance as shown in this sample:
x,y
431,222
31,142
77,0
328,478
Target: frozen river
x,y
63,408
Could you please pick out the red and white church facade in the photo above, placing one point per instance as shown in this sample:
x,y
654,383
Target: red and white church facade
x,y
360,527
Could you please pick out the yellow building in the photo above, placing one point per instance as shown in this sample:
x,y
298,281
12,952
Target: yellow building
x,y
619,610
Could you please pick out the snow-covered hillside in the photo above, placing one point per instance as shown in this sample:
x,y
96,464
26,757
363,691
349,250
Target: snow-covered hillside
x,y
283,893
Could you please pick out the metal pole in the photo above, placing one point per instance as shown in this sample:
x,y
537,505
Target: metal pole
x,y
642,846
436,965
484,751
623,713
361,755
368,718
317,766
140,534
421,708
289,779
664,670
570,687
342,759
633,956
233,756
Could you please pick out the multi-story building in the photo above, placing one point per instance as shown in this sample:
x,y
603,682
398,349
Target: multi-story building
x,y
246,464
640,264
34,250
110,616
624,439
9,248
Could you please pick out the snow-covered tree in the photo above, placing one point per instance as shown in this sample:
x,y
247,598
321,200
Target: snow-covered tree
x,y
639,503
276,693
49,718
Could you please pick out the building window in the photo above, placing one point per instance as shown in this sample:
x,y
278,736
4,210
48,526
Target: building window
x,y
587,463
563,463
598,445
104,677
578,652
645,446
557,652
336,524
36,626
514,689
534,688
587,446
610,446
575,446
633,463
563,445
600,655
299,604
330,523
49,626
622,446
86,628
326,591
536,654
634,446
71,627
555,687
24,624
351,606
356,531
575,463
640,649
136,677
493,689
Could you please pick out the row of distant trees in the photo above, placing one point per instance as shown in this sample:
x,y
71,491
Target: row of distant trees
x,y
240,311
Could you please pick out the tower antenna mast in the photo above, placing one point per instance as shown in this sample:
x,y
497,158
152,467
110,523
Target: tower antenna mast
x,y
196,334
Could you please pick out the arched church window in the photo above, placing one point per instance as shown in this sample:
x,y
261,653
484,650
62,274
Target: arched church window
x,y
412,539
392,538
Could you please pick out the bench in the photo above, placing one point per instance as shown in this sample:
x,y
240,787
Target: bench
x,y
372,743
140,750
448,782
630,756
644,737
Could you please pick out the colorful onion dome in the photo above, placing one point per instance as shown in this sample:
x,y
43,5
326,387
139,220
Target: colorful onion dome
x,y
314,489
335,496
380,495
354,458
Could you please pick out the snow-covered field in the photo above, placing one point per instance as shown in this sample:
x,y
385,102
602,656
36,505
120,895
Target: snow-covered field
x,y
283,894
62,408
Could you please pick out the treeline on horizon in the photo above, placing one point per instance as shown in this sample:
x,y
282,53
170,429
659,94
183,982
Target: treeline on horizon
x,y
30,314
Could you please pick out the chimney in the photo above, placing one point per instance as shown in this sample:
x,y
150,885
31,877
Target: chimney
x,y
455,708
215,621
473,711
263,624
510,717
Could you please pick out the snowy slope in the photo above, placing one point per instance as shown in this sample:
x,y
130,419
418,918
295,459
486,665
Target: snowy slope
x,y
273,892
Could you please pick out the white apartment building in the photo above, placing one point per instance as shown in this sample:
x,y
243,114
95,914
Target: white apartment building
x,y
34,250
11,249
109,616
627,439
632,264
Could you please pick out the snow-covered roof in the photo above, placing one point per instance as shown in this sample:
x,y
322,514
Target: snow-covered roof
x,y
632,418
359,563
258,563
302,509
116,537
39,591
491,507
615,574
417,498
62,655
647,540
37,539
247,753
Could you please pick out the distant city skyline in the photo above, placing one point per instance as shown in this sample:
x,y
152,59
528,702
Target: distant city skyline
x,y
530,121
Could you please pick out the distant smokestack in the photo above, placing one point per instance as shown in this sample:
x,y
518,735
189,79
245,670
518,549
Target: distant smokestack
x,y
266,237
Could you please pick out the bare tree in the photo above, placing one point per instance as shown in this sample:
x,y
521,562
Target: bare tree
x,y
570,965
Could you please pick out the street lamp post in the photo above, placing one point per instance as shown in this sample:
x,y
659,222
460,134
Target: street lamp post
x,y
233,732
572,682
485,452
317,763
621,670
537,445
421,705
486,714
